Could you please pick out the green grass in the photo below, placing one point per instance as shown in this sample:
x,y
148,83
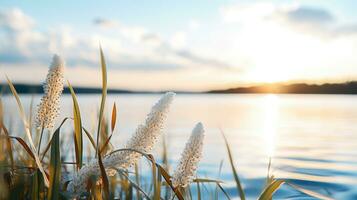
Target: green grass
x,y
26,173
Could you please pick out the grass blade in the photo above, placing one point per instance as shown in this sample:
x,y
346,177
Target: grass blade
x,y
24,145
104,95
55,166
154,177
270,190
309,192
219,176
1,112
90,137
8,143
235,174
224,191
137,180
49,143
206,180
78,137
114,117
162,171
135,185
27,130
35,191
104,178
198,191
167,178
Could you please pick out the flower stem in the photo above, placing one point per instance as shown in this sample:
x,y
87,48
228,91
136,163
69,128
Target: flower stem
x,y
39,144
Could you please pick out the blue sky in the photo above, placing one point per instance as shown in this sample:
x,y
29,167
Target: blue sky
x,y
184,45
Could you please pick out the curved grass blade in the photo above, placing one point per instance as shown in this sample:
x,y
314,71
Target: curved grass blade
x,y
55,166
78,138
135,185
24,145
309,192
27,130
104,178
162,171
90,138
235,174
106,143
104,95
223,190
270,190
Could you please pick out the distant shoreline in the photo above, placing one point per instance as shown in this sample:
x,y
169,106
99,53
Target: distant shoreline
x,y
275,88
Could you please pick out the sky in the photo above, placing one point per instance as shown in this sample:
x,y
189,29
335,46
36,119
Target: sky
x,y
180,45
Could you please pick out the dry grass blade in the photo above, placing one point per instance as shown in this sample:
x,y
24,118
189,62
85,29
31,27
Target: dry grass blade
x,y
235,174
104,95
24,145
78,138
113,122
27,130
167,178
104,177
309,192
206,180
271,189
55,166
8,142
154,177
114,117
106,143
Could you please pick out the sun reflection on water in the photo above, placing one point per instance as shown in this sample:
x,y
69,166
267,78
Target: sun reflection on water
x,y
270,123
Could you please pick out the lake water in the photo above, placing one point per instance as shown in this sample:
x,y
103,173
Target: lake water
x,y
312,139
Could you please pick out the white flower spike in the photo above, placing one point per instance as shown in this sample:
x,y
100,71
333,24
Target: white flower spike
x,y
48,109
190,157
143,140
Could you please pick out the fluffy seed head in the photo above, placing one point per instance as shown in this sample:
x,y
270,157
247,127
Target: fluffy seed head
x,y
48,109
190,157
143,140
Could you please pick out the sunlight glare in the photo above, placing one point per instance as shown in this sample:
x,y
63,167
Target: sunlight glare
x,y
271,110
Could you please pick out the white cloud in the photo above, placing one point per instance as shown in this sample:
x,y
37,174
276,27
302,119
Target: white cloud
x,y
15,19
127,48
179,40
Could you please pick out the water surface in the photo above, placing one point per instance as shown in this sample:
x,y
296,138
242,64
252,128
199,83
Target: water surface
x,y
312,139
